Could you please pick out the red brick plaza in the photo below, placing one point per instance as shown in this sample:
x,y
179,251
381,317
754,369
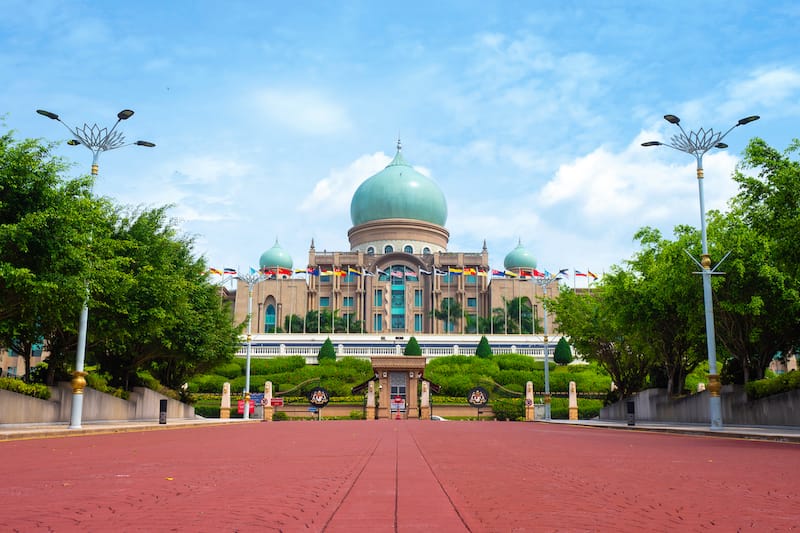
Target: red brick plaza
x,y
407,475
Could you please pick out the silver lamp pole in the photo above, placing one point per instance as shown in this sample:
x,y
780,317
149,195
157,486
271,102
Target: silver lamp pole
x,y
545,282
97,140
251,279
698,144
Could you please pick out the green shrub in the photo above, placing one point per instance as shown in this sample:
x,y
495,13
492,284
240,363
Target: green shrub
x,y
484,351
356,415
327,352
562,355
278,416
412,348
229,370
207,383
99,382
508,408
37,390
767,387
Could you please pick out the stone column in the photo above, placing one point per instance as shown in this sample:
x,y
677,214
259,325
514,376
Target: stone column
x,y
425,401
371,400
383,396
225,405
573,401
529,408
412,400
268,409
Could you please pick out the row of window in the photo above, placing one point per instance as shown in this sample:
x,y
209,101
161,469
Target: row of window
x,y
389,249
397,300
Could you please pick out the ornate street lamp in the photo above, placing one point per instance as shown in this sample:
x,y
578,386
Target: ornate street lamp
x,y
697,144
545,282
97,140
251,279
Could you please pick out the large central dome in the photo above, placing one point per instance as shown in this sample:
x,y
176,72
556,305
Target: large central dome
x,y
398,191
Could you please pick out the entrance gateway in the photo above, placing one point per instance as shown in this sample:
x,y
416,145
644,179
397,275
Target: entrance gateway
x,y
397,389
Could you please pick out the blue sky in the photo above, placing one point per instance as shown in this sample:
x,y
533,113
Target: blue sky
x,y
529,115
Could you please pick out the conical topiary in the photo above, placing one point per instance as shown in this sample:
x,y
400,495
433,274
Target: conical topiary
x,y
327,352
562,355
484,351
412,348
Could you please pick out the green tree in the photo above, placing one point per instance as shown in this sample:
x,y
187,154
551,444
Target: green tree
x,y
449,312
45,222
293,324
484,350
412,347
562,355
326,352
592,327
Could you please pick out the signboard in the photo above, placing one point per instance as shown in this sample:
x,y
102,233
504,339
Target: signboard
x,y
398,403
276,402
240,407
257,397
319,397
478,397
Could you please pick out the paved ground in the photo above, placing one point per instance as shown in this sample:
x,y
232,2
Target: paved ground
x,y
398,476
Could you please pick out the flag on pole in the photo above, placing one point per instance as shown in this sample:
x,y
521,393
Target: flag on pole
x,y
216,271
483,273
314,271
509,274
229,271
498,273
592,275
397,274
285,272
380,271
578,274
438,272
365,272
426,272
564,272
455,271
300,271
351,270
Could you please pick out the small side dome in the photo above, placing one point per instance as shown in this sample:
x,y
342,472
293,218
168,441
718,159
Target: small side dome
x,y
275,257
519,257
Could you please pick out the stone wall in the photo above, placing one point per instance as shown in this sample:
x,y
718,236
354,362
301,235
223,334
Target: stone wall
x,y
143,404
653,405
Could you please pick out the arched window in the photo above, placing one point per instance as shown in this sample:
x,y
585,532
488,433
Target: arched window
x,y
371,250
388,249
426,251
269,319
408,249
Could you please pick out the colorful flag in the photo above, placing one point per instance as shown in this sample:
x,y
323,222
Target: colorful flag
x,y
397,274
216,271
439,272
510,274
454,271
592,275
564,272
351,270
483,273
380,271
410,273
469,271
365,272
547,274
314,271
230,271
498,273
578,273
426,272
525,273
284,271
300,271
538,273
325,272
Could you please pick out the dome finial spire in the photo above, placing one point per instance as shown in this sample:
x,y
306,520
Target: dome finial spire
x,y
399,143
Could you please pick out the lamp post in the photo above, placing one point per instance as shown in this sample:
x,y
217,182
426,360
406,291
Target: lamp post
x,y
97,140
251,279
697,144
545,282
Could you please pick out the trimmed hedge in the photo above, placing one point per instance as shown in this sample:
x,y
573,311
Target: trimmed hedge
x,y
37,390
767,387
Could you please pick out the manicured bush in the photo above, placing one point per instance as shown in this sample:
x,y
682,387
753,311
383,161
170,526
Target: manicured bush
x,y
208,383
327,352
412,348
37,390
484,351
277,416
229,370
562,355
508,408
776,385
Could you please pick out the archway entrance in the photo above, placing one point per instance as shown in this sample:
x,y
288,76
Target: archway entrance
x,y
398,385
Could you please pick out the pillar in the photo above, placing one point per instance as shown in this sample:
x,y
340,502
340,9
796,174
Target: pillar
x,y
529,408
371,400
268,409
225,405
425,401
573,401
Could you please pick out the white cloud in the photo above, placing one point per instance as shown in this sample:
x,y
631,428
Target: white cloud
x,y
210,169
333,193
305,111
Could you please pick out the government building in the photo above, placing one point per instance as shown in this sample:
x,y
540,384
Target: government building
x,y
398,278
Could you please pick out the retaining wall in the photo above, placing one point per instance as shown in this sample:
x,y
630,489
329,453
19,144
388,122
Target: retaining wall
x,y
143,404
654,405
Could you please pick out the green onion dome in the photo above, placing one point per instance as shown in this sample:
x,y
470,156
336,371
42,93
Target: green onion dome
x,y
398,191
519,257
275,257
